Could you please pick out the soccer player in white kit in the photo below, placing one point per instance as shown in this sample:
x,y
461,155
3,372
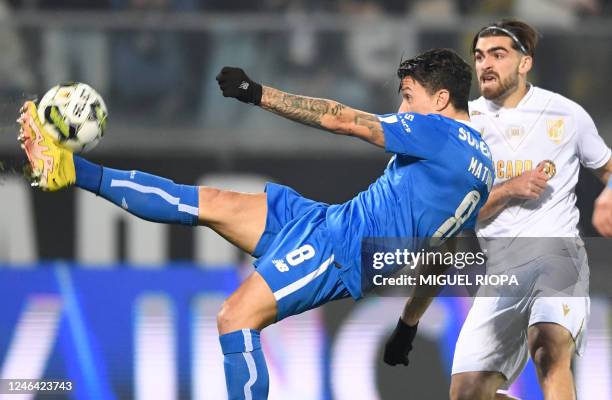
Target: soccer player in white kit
x,y
524,126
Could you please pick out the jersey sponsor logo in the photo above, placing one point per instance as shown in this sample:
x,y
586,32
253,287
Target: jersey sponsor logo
x,y
473,141
475,113
555,129
511,168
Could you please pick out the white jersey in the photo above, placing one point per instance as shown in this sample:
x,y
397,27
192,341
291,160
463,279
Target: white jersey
x,y
543,126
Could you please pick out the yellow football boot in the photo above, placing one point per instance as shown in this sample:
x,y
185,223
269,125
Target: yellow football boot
x,y
52,166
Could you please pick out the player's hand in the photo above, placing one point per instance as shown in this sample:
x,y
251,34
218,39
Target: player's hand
x,y
399,344
530,184
602,216
235,83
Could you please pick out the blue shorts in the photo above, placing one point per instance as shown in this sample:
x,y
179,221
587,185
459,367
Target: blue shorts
x,y
295,255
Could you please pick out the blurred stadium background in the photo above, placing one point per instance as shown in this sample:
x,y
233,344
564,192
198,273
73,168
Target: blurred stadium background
x,y
126,308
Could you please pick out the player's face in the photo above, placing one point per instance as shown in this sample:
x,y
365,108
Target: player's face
x,y
415,98
497,66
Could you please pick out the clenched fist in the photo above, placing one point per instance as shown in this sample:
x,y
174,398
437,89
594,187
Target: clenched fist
x,y
530,185
235,83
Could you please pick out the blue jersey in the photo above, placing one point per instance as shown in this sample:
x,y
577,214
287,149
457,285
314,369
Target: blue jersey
x,y
438,179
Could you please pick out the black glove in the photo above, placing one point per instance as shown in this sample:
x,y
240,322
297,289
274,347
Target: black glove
x,y
235,83
399,344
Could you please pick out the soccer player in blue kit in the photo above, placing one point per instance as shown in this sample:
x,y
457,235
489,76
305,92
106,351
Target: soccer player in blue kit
x,y
308,253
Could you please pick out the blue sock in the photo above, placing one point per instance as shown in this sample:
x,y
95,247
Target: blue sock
x,y
147,196
88,174
246,373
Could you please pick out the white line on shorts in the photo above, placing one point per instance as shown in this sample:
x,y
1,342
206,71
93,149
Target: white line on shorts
x,y
300,283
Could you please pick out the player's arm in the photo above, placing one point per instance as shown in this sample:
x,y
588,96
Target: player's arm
x,y
399,343
325,114
604,172
528,186
602,213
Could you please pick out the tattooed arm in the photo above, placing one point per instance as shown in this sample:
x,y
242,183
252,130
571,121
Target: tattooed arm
x,y
325,114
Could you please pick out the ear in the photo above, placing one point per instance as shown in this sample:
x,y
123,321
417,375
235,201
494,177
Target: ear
x,y
442,99
525,64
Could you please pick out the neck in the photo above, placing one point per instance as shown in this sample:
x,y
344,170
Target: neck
x,y
456,114
512,99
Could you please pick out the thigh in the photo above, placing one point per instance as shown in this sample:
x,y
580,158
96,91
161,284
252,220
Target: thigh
x,y
251,306
283,205
299,266
493,338
555,340
560,319
238,217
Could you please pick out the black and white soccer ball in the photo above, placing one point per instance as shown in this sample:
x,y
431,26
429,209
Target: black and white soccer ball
x,y
75,114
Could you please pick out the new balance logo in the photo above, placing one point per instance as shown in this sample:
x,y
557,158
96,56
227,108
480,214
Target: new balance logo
x,y
244,85
280,265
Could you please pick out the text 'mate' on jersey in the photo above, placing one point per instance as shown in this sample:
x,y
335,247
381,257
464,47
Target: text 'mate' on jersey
x,y
434,185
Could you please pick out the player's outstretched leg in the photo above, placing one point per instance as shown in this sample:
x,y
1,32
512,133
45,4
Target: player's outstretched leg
x,y
239,217
147,196
244,314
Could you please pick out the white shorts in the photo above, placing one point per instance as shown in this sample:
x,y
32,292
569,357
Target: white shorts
x,y
494,335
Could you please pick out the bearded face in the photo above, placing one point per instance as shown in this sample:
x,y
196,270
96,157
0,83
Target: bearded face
x,y
497,67
493,86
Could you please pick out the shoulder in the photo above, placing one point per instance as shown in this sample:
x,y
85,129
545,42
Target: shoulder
x,y
477,106
410,119
557,103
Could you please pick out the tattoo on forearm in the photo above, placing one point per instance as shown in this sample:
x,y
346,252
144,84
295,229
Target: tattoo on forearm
x,y
373,124
302,109
311,111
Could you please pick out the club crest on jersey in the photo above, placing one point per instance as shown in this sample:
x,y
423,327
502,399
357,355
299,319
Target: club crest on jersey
x,y
555,129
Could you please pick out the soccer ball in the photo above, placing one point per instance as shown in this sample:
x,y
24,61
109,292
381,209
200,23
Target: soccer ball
x,y
75,114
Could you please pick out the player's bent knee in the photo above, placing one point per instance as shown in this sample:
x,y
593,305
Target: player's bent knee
x,y
224,318
251,306
231,317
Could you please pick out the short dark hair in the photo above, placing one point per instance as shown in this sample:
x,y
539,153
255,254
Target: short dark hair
x,y
524,36
438,69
